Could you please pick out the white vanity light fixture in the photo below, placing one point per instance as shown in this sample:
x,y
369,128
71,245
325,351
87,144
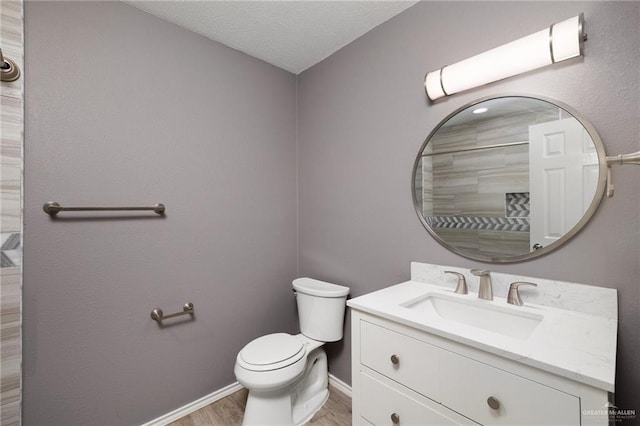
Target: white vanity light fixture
x,y
560,41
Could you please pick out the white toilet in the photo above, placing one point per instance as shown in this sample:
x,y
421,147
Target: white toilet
x,y
287,376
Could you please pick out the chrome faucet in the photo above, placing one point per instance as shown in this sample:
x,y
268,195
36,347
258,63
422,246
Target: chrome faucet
x,y
484,291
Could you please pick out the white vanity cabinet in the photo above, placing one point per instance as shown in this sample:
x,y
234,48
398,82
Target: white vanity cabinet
x,y
406,376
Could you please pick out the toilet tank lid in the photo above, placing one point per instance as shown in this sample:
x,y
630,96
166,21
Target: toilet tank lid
x,y
319,288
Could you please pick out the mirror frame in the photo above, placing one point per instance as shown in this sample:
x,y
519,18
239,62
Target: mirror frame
x,y
597,198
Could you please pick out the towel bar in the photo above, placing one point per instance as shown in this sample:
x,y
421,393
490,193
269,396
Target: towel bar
x,y
53,208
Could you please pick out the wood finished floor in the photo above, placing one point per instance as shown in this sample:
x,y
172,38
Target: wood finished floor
x,y
228,412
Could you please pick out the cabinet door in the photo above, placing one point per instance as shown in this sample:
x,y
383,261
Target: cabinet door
x,y
466,386
382,405
415,363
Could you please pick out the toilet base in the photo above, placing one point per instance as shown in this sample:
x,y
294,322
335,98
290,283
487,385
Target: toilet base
x,y
294,404
302,413
268,408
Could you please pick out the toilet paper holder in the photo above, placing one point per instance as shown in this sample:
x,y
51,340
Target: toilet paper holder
x,y
158,315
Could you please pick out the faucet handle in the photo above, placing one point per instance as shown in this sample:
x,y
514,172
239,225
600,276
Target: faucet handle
x,y
513,297
461,288
480,272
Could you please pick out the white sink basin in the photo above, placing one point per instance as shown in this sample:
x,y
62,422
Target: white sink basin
x,y
477,313
573,338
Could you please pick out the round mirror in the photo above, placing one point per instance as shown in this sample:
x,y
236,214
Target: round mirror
x,y
508,178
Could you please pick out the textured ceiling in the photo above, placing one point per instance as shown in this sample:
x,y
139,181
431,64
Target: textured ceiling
x,y
293,35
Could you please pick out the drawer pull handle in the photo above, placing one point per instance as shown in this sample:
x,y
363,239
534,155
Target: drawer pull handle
x,y
493,403
395,360
395,418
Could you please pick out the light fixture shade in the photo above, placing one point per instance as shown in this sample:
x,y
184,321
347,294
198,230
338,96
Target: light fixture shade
x,y
560,41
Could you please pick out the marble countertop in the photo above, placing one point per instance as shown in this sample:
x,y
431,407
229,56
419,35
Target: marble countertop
x,y
577,345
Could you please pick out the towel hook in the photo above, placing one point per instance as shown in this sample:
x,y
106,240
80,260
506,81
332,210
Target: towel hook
x,y
9,71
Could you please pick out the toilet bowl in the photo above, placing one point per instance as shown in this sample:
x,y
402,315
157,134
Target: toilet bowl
x,y
287,375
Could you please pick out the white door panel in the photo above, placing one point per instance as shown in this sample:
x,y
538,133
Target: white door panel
x,y
563,177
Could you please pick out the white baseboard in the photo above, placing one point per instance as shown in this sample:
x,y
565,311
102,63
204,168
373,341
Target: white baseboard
x,y
189,408
340,385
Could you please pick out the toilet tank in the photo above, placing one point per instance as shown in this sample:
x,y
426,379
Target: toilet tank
x,y
321,308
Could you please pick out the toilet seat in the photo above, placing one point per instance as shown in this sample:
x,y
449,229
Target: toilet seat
x,y
271,352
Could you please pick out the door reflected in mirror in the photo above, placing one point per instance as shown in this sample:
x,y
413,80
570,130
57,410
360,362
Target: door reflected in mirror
x,y
508,178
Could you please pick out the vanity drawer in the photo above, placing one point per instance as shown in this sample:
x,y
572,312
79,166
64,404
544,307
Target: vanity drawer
x,y
466,385
380,402
401,358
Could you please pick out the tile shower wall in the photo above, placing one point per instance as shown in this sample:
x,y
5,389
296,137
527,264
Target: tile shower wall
x,y
11,125
469,197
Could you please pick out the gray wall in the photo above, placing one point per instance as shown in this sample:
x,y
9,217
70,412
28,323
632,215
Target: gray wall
x,y
363,116
123,108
